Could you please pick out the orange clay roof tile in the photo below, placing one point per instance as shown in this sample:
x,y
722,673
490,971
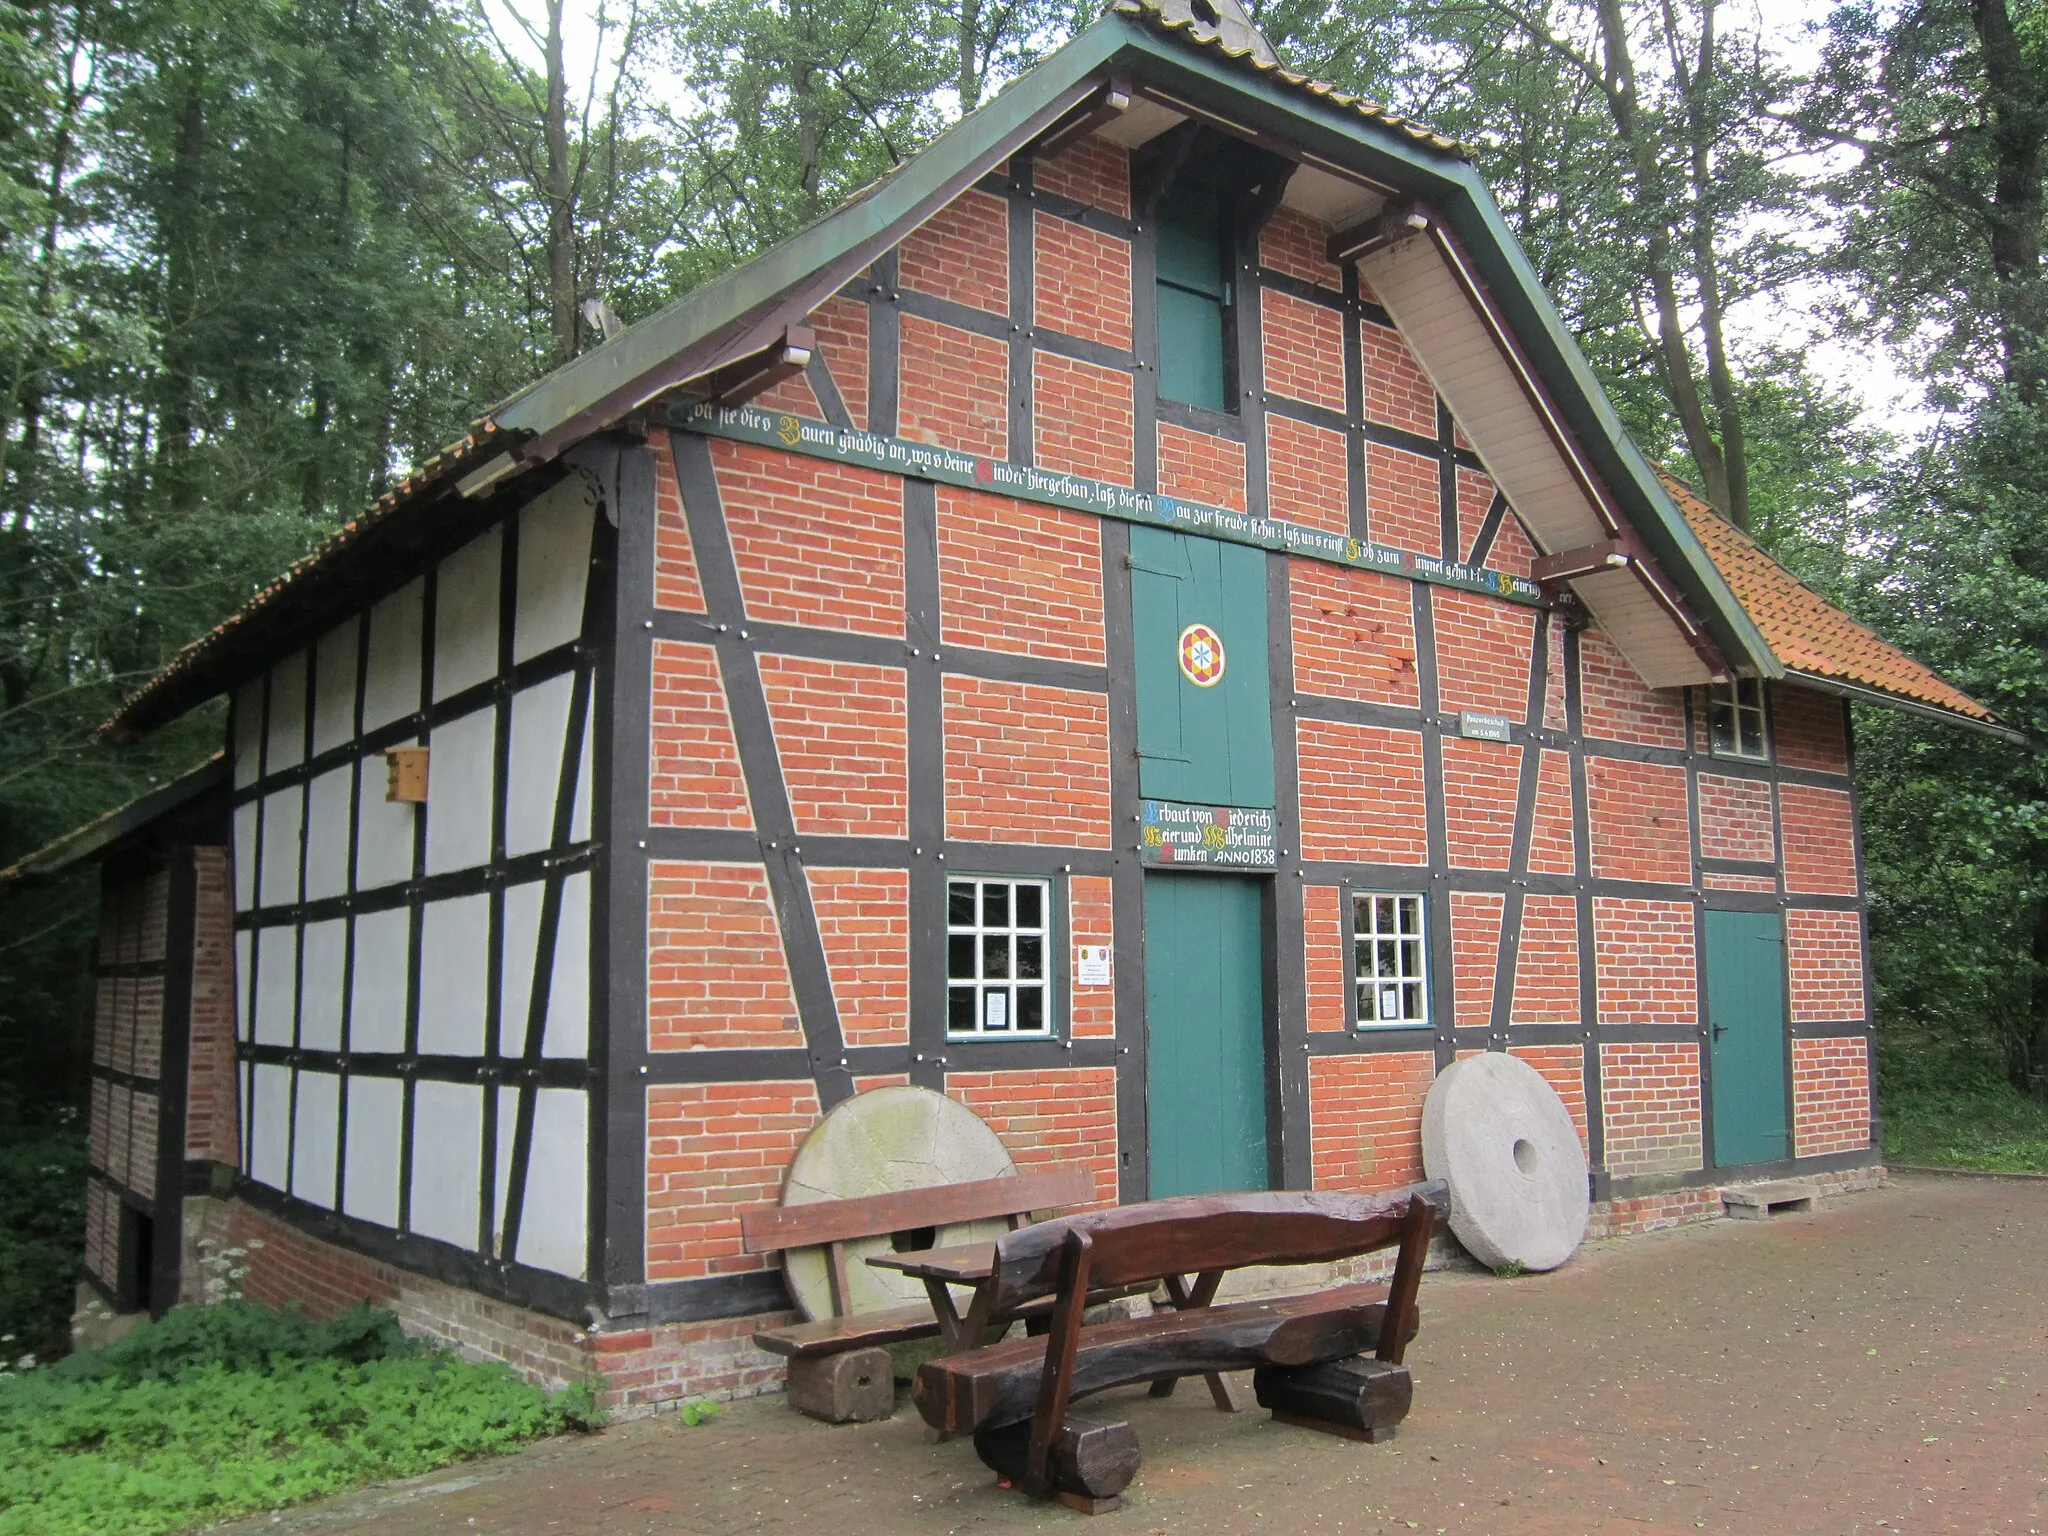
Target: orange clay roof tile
x,y
1805,630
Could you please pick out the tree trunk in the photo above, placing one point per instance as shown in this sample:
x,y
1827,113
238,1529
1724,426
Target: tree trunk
x,y
969,80
562,316
181,223
1673,355
2017,103
1699,91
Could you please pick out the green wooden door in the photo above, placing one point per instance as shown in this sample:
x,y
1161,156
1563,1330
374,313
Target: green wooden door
x,y
1746,1024
1205,720
1205,1021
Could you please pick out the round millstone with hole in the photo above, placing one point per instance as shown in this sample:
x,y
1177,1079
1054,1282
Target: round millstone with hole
x,y
875,1144
1499,1135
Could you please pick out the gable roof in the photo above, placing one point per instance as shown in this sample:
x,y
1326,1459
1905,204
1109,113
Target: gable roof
x,y
1818,643
1412,213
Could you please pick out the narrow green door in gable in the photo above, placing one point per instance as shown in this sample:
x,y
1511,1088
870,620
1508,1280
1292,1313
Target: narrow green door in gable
x,y
1205,722
1205,1024
1746,1028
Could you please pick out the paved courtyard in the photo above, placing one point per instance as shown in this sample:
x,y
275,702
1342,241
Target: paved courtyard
x,y
1881,1366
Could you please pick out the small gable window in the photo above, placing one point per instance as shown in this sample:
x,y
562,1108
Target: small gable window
x,y
1194,298
1735,719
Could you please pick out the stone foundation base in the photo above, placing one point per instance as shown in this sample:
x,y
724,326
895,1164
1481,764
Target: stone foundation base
x,y
642,1370
648,1369
1682,1207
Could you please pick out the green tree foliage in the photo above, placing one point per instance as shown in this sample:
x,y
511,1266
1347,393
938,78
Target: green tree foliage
x,y
1939,111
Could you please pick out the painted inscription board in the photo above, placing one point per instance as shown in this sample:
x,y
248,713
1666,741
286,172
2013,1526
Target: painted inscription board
x,y
924,461
1185,836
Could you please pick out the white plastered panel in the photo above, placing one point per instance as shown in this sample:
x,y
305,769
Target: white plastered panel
x,y
369,1178
385,830
320,984
316,1123
554,567
282,811
334,687
515,970
554,1217
569,995
277,957
579,819
391,685
376,1015
447,1160
270,1119
245,946
508,1121
327,833
246,850
454,956
540,723
287,714
466,615
459,772
248,745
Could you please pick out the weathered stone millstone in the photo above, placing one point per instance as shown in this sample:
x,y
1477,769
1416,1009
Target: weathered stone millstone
x,y
875,1144
1499,1135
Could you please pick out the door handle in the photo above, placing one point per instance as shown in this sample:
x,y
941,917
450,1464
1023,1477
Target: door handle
x,y
1720,1030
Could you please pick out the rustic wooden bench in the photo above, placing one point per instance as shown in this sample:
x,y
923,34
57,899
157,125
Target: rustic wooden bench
x,y
1014,1396
839,1366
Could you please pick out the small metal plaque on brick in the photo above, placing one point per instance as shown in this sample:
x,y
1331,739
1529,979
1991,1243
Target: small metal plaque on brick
x,y
1208,836
1485,727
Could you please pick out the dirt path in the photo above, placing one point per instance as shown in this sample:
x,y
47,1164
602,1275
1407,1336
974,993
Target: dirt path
x,y
1879,1367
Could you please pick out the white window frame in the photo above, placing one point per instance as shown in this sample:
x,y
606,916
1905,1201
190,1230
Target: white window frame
x,y
1727,700
1007,988
1366,938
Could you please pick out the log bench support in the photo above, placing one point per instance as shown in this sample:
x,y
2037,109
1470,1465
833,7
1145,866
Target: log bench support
x,y
856,1386
1306,1351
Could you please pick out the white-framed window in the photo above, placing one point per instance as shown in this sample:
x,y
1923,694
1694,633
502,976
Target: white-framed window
x,y
1390,952
998,957
1735,719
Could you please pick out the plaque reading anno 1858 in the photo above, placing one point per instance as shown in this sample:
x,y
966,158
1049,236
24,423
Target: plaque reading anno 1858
x,y
1207,836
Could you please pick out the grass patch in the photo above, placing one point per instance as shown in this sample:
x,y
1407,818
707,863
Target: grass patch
x,y
221,1411
1989,1127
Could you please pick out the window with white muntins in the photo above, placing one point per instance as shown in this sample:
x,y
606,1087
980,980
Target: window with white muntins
x,y
1735,719
1391,958
998,957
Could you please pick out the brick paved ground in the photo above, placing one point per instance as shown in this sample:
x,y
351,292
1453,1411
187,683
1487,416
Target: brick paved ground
x,y
1879,1367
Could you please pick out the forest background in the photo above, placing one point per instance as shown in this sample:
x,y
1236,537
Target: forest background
x,y
258,257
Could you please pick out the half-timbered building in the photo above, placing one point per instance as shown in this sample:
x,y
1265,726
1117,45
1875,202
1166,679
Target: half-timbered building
x,y
1141,621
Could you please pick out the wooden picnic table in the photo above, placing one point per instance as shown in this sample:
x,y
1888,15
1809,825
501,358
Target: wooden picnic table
x,y
973,1265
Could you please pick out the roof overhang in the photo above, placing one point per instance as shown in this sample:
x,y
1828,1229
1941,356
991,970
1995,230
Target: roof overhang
x,y
112,832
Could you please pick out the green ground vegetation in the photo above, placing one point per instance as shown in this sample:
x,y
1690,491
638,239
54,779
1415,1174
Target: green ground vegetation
x,y
218,1411
1945,1108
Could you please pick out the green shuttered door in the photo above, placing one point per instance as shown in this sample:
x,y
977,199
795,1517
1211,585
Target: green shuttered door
x,y
1210,745
1746,1023
1205,1017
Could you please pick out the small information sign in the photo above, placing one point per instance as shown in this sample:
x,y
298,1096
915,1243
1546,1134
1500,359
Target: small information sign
x,y
1091,965
1208,836
1485,727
